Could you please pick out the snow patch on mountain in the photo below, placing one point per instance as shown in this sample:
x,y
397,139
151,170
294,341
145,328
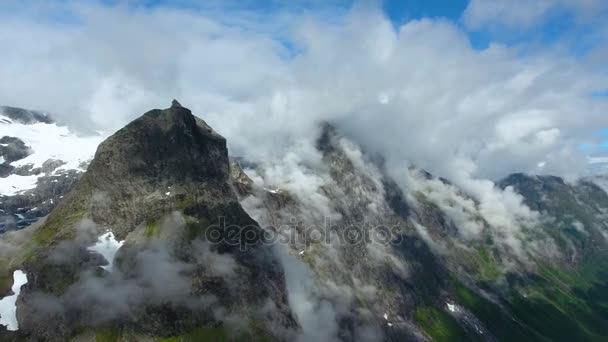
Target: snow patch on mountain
x,y
107,246
46,141
14,184
8,307
49,141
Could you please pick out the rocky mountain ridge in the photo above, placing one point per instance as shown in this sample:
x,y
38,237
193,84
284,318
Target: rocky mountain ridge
x,y
452,269
360,253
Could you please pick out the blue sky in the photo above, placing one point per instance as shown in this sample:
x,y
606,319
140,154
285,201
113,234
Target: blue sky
x,y
401,11
576,28
558,24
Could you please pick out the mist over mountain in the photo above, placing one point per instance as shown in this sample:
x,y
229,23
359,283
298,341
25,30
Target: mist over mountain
x,y
157,185
165,236
339,170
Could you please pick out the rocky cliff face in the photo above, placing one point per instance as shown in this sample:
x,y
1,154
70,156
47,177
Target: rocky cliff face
x,y
161,187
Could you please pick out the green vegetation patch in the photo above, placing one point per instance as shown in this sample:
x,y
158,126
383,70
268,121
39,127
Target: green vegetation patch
x,y
547,307
6,282
151,229
485,267
184,201
311,255
54,225
501,324
107,336
210,334
439,325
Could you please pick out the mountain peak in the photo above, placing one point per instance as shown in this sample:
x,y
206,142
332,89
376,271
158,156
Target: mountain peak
x,y
163,151
158,184
175,104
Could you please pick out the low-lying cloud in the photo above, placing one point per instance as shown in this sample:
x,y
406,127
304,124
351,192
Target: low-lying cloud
x,y
150,276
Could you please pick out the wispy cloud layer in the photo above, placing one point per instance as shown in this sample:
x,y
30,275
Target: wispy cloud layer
x,y
519,14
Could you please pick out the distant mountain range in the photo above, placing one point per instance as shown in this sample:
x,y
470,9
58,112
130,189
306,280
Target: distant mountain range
x,y
39,163
162,237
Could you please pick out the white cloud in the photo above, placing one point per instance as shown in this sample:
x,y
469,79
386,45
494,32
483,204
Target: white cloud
x,y
518,14
420,92
473,205
598,160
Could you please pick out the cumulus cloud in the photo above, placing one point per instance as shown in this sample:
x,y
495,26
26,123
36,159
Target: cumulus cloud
x,y
417,92
520,13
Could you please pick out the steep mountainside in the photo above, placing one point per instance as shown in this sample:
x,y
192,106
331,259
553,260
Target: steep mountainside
x,y
574,213
443,265
157,186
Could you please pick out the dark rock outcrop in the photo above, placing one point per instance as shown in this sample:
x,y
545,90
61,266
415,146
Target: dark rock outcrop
x,y
160,183
24,116
21,210
11,149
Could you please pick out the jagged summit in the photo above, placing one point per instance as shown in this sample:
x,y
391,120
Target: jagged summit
x,y
175,103
169,145
163,151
